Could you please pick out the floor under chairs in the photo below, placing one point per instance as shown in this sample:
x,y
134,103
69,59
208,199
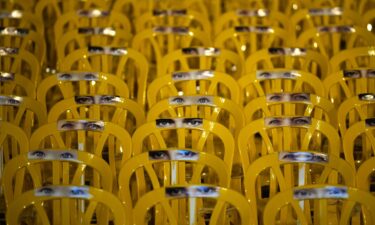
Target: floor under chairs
x,y
196,112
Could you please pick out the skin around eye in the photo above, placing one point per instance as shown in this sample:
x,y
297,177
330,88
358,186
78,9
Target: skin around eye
x,y
93,126
158,155
38,154
299,97
68,125
66,155
65,76
300,121
84,100
352,74
90,76
46,190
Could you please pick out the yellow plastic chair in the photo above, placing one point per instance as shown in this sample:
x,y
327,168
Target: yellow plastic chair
x,y
245,40
15,60
269,175
185,59
67,197
126,63
132,8
364,174
314,16
289,58
358,142
173,17
103,139
114,109
90,18
19,5
226,199
354,109
168,167
67,84
251,17
157,42
345,84
22,19
322,196
190,133
259,83
330,40
16,84
90,36
290,104
364,5
25,39
221,110
13,141
24,112
43,167
369,20
286,133
353,59
198,82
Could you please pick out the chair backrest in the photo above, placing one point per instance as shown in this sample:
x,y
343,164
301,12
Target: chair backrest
x,y
286,133
16,84
364,174
290,104
200,193
73,83
192,133
200,58
77,205
169,167
245,40
197,82
359,142
24,19
224,111
363,57
321,196
259,83
126,63
278,172
43,167
24,112
13,141
124,112
288,58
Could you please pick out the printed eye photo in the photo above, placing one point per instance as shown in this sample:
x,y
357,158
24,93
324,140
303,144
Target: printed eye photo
x,y
159,12
86,30
277,97
36,154
305,194
9,100
242,29
203,191
90,76
4,76
190,51
371,73
298,121
333,192
192,122
68,125
204,100
183,155
276,121
44,191
176,192
160,29
95,49
180,30
8,51
78,191
302,157
208,51
94,126
352,73
177,100
159,155
276,51
117,51
263,29
84,100
297,97
67,155
64,76
366,96
164,123
264,75
108,99
180,75
370,122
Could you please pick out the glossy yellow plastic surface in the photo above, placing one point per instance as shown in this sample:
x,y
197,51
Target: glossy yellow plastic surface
x,y
322,207
353,58
158,197
99,200
13,140
20,86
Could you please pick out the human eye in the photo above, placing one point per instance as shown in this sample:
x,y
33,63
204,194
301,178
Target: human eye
x,y
164,122
13,101
299,97
193,122
66,155
84,99
370,73
46,190
158,155
265,75
352,73
289,156
95,49
300,121
182,154
275,122
176,192
275,98
203,100
93,126
65,76
106,99
370,122
38,154
89,76
68,125
206,190
178,100
77,192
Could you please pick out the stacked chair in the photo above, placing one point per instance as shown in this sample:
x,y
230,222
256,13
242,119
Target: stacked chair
x,y
196,112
